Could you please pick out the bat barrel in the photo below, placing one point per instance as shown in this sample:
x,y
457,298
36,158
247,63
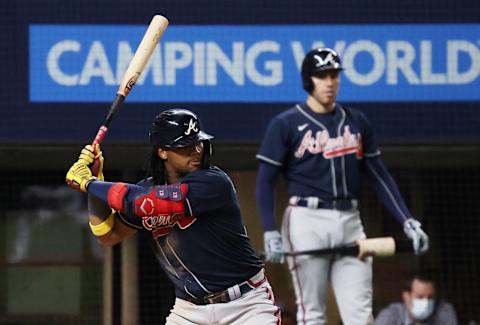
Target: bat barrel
x,y
142,54
383,246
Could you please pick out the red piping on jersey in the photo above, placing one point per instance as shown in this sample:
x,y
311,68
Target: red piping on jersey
x,y
340,152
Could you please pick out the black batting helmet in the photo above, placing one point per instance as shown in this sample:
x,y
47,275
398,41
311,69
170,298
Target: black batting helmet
x,y
177,128
317,60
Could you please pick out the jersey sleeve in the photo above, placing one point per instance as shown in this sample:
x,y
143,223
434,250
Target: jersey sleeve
x,y
208,190
274,145
265,194
129,218
387,189
369,143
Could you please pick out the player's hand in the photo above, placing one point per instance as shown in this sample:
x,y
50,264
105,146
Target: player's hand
x,y
273,247
93,158
413,230
79,176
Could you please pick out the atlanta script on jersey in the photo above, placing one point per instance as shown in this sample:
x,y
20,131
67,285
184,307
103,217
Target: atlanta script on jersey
x,y
207,249
321,154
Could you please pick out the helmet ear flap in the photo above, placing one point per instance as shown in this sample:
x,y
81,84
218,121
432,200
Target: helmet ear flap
x,y
307,84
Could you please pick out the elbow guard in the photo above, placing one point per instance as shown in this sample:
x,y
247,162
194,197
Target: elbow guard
x,y
161,200
152,201
116,195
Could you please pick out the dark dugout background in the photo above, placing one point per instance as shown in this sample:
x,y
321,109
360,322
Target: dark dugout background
x,y
432,150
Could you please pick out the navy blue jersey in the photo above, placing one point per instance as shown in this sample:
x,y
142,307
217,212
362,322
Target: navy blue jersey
x,y
320,155
208,251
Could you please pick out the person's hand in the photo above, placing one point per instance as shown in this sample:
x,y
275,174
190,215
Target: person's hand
x,y
80,175
273,247
93,158
413,230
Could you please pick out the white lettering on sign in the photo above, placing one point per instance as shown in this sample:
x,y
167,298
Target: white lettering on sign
x,y
400,59
262,63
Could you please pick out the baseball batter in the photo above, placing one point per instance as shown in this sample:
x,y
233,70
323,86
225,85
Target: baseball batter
x,y
322,148
191,211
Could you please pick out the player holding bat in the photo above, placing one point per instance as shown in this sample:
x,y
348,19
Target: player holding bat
x,y
322,147
191,212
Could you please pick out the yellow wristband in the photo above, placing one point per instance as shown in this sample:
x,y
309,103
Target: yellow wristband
x,y
104,227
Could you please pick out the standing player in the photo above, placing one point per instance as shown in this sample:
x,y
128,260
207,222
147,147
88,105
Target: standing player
x,y
191,211
321,148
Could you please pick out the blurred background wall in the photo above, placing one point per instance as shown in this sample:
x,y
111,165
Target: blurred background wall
x,y
413,67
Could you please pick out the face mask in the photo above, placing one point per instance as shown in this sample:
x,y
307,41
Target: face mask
x,y
422,308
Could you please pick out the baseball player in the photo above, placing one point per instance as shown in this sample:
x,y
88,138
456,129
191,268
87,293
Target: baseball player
x,y
191,211
321,148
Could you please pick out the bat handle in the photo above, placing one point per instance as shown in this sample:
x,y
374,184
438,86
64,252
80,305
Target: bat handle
x,y
102,131
404,246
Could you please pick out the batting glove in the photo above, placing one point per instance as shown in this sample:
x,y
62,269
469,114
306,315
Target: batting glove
x,y
93,157
413,230
273,247
79,176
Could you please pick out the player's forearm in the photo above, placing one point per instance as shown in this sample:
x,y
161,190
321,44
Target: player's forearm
x,y
110,232
387,189
98,209
111,195
117,234
265,195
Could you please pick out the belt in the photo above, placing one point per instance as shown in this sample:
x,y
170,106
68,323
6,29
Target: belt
x,y
231,293
317,203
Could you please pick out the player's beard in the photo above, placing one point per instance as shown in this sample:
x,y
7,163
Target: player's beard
x,y
191,165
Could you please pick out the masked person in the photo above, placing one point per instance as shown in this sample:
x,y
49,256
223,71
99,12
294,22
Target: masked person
x,y
420,306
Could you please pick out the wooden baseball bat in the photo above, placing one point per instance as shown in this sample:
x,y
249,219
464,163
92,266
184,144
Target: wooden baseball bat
x,y
381,246
152,36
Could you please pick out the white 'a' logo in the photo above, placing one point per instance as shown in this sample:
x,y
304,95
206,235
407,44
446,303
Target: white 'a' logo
x,y
321,62
192,126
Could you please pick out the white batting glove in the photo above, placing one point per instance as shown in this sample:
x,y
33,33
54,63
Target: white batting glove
x,y
413,230
273,247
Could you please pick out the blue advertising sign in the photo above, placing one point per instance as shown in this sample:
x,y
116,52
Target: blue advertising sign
x,y
255,63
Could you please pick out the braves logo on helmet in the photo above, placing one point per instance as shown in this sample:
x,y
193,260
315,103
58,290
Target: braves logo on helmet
x,y
191,126
177,128
329,59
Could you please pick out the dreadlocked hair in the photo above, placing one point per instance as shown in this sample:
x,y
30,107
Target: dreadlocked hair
x,y
155,168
